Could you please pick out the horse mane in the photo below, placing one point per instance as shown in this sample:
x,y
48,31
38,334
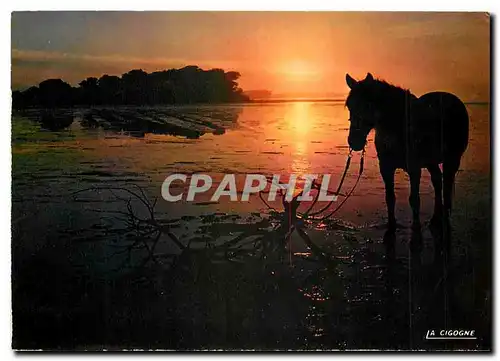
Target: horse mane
x,y
384,87
378,90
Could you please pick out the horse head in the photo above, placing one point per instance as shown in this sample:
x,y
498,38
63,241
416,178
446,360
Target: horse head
x,y
362,108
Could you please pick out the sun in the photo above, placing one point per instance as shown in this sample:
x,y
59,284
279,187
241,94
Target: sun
x,y
298,70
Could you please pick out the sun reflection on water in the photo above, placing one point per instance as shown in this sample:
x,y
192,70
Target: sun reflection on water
x,y
299,122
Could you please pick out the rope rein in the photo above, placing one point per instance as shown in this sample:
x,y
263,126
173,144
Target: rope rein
x,y
316,215
360,172
361,168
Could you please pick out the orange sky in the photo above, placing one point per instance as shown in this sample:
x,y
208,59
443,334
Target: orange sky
x,y
286,52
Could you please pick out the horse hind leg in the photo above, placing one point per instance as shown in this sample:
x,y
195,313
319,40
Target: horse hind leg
x,y
450,169
439,224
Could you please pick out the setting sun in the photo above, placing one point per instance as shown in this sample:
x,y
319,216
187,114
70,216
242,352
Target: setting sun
x,y
299,70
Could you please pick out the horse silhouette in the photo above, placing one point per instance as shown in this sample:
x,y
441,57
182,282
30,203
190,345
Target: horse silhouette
x,y
410,133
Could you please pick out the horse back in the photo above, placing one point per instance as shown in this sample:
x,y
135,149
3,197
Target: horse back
x,y
440,125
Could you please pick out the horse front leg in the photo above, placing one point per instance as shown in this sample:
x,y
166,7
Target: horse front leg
x,y
387,173
415,197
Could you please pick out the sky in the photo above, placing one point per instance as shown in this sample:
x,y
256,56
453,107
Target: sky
x,y
286,52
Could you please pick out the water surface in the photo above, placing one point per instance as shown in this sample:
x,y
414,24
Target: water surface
x,y
345,305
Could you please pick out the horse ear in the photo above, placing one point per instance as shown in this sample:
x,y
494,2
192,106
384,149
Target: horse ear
x,y
351,82
369,77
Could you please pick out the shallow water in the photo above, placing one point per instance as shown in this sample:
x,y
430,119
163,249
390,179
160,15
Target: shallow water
x,y
320,305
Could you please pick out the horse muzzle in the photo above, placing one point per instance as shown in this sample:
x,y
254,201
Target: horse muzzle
x,y
356,143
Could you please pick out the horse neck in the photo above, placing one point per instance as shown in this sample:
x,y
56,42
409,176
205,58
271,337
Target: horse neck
x,y
394,110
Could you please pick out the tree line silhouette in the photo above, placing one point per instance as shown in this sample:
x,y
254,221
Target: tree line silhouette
x,y
190,84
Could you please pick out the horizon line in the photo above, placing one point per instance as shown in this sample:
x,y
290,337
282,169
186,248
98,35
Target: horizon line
x,y
333,100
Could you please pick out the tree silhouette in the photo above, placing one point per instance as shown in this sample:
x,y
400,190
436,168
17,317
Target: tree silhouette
x,y
110,87
89,91
55,92
161,88
135,87
190,84
29,97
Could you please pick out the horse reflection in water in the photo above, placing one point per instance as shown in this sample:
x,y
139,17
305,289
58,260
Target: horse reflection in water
x,y
411,133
